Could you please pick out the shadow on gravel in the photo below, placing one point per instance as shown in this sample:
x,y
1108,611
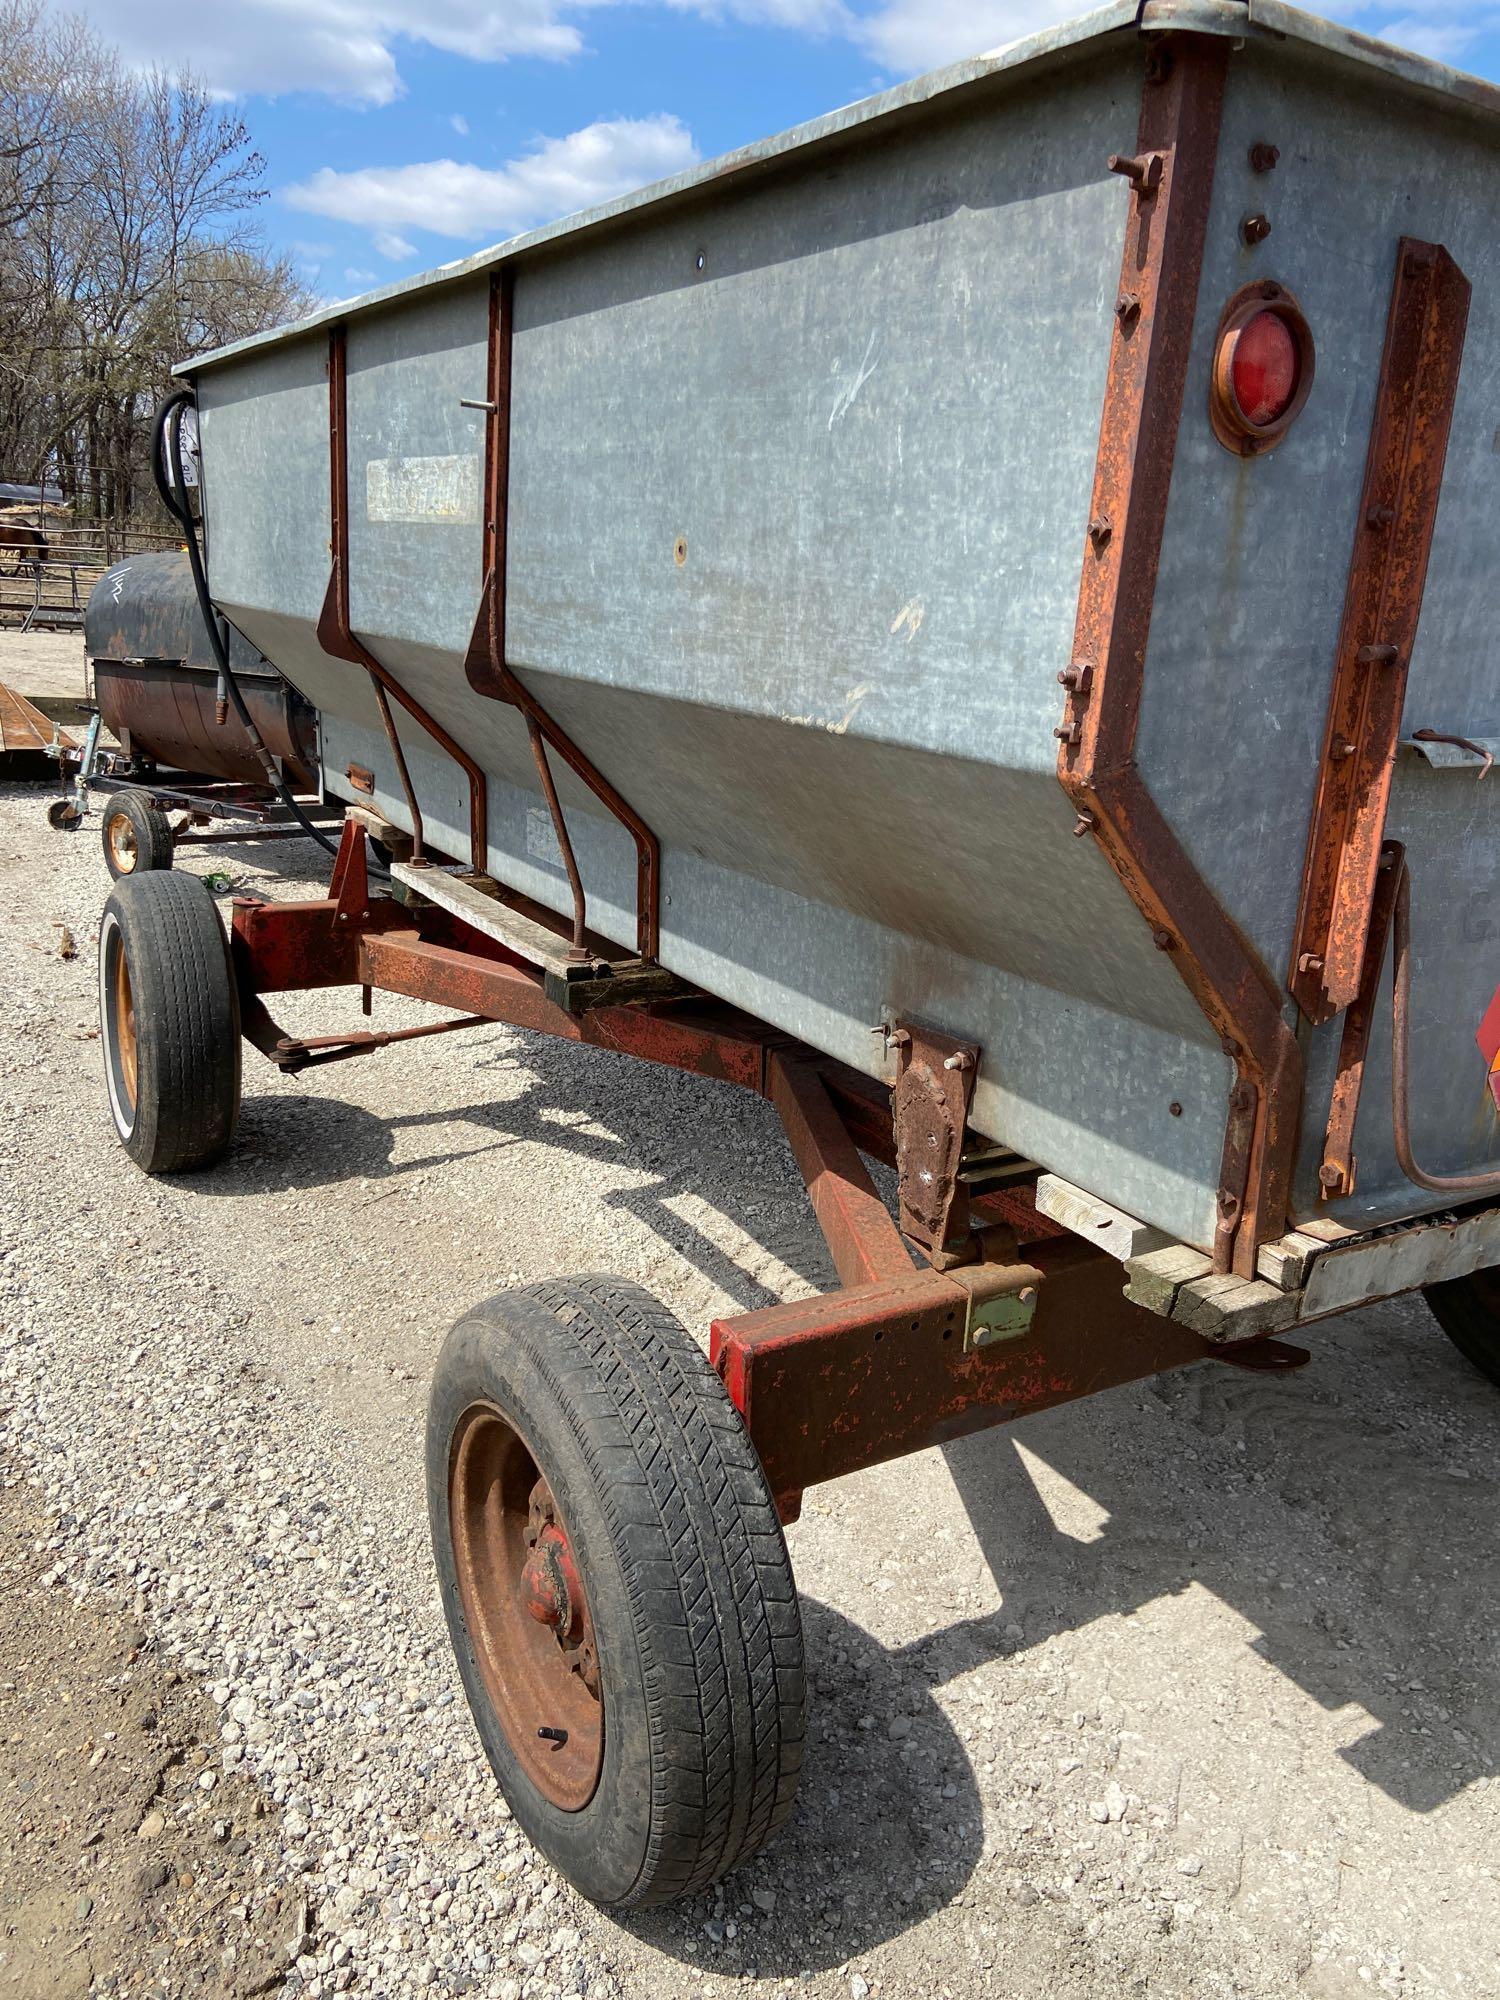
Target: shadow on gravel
x,y
692,1136
886,1830
1340,1509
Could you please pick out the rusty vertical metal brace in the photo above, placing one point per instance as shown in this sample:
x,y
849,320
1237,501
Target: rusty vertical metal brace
x,y
349,885
336,635
1424,342
485,665
1336,1176
930,1102
1150,347
863,1241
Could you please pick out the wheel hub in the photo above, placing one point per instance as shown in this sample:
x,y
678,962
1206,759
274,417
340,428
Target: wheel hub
x,y
122,844
526,1608
550,1584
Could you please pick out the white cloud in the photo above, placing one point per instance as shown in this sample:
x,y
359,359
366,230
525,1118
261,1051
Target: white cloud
x,y
359,277
339,49
349,48
1443,29
389,244
452,199
910,35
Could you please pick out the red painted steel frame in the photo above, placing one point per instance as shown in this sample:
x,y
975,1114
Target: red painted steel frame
x,y
832,1385
827,1385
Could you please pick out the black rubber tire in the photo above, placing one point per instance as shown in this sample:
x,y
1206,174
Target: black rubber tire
x,y
685,1567
1468,1311
136,834
186,1022
63,816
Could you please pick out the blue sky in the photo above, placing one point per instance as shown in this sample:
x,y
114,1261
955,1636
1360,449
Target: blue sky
x,y
403,133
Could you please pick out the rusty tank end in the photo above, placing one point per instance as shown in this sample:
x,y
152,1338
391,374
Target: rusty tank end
x,y
157,688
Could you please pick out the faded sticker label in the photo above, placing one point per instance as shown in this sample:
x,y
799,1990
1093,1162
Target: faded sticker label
x,y
424,489
541,837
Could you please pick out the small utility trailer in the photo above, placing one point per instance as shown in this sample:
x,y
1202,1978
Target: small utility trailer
x,y
974,621
178,746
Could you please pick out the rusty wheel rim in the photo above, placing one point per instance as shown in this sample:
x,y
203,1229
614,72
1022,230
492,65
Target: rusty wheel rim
x,y
124,1023
525,1607
122,848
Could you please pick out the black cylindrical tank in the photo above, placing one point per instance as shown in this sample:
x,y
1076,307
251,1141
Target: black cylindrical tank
x,y
157,685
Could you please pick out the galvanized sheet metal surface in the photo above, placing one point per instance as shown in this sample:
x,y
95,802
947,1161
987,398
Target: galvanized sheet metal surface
x,y
794,549
1254,563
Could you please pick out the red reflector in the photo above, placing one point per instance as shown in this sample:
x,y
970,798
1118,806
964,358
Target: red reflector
x,y
1265,368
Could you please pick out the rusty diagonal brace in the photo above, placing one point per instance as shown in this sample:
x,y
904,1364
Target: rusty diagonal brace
x,y
337,637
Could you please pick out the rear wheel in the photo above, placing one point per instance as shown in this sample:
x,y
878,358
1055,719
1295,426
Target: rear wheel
x,y
617,1588
136,833
169,1022
1468,1311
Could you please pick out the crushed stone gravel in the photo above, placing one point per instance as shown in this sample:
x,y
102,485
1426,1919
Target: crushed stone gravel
x,y
1193,1689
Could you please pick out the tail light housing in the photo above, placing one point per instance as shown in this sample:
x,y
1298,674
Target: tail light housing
x,y
1262,370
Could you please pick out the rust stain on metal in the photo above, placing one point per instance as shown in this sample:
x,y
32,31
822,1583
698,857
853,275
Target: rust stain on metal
x,y
23,727
1397,514
929,1111
1180,107
338,640
489,673
1336,1176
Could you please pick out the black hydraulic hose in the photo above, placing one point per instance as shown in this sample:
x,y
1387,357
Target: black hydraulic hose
x,y
166,466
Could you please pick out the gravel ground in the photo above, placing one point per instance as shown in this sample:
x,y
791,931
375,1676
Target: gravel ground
x,y
1192,1689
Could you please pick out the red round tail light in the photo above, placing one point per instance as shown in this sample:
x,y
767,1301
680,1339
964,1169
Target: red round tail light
x,y
1263,367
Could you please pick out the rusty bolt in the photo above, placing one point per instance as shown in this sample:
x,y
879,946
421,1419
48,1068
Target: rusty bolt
x,y
1142,170
1255,229
1162,938
959,1060
1100,530
899,1037
1309,962
1263,157
1378,656
1342,748
1241,1098
1128,308
1068,732
1331,1176
1078,678
1380,517
1083,824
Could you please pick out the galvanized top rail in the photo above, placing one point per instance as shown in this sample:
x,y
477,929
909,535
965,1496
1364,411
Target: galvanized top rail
x,y
1398,68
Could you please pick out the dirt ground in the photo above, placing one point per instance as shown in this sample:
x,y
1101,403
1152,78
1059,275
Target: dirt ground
x,y
128,1856
1192,1689
47,667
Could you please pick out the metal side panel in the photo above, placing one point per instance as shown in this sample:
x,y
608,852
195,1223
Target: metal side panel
x,y
1254,568
793,555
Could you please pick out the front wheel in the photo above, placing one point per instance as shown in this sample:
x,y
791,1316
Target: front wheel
x,y
136,833
169,1022
617,1589
1468,1311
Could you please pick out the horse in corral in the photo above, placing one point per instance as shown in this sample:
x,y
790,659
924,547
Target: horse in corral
x,y
26,543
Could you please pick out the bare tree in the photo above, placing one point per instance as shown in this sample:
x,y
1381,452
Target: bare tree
x,y
128,239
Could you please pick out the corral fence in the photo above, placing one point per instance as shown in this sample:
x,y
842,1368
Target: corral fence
x,y
48,567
